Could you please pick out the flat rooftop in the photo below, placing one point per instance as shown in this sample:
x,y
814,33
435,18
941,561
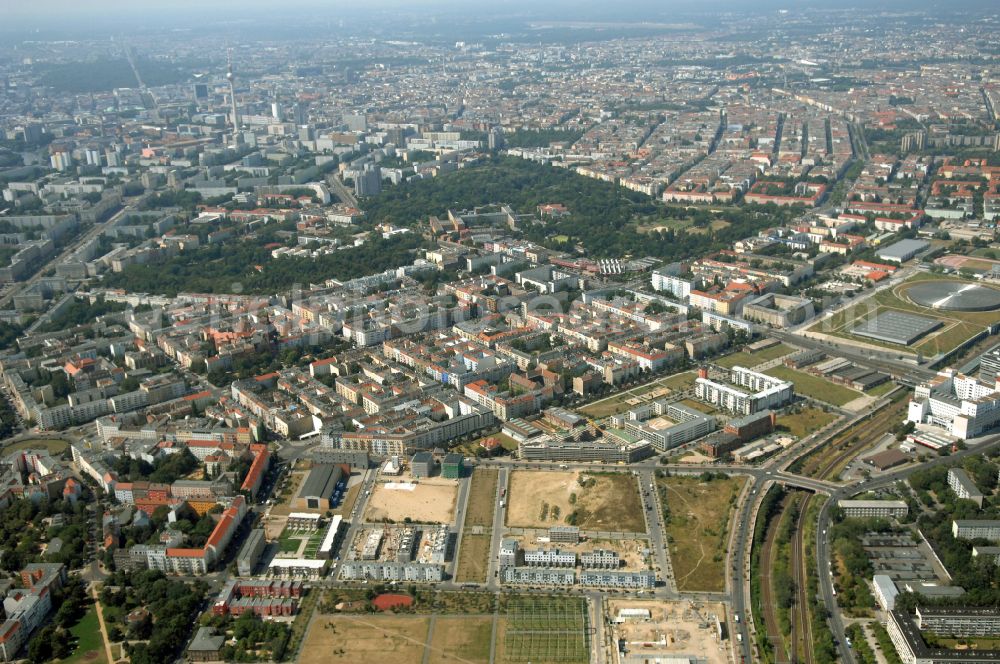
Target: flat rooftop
x,y
897,327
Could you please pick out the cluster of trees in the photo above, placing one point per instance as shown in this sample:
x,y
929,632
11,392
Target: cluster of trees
x,y
602,218
173,606
845,539
166,468
256,640
8,418
182,199
22,532
540,138
225,268
106,74
80,312
979,577
54,641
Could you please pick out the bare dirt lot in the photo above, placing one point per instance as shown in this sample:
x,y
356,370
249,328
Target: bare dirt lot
x,y
698,528
594,501
465,640
339,638
674,628
432,500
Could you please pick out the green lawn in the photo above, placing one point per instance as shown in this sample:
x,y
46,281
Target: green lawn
x,y
881,390
89,643
313,544
805,421
53,446
958,325
618,403
744,359
815,387
699,406
469,449
679,381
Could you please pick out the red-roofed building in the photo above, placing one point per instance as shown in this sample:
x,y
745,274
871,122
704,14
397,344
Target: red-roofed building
x,y
261,461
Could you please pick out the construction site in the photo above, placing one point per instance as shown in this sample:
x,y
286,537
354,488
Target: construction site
x,y
401,544
644,631
635,554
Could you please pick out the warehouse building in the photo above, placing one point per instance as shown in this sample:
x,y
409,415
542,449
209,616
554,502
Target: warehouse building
x,y
902,251
318,489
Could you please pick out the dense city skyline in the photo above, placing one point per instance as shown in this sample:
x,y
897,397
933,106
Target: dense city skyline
x,y
500,332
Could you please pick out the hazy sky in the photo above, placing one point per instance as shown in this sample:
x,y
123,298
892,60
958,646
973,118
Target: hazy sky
x,y
101,14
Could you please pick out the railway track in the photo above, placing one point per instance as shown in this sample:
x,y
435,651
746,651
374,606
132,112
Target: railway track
x,y
826,467
802,638
772,627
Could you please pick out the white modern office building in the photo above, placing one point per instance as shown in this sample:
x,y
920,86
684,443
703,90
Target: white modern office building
x,y
961,405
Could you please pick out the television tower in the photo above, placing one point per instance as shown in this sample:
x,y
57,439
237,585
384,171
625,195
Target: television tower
x,y
232,91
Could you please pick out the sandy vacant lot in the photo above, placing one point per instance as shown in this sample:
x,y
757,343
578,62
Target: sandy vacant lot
x,y
333,638
603,502
675,628
430,501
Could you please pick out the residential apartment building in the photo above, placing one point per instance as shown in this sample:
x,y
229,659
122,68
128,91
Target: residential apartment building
x,y
549,558
392,571
541,576
976,529
768,392
963,486
863,509
628,580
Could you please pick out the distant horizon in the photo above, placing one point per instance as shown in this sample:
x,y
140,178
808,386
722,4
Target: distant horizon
x,y
103,14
